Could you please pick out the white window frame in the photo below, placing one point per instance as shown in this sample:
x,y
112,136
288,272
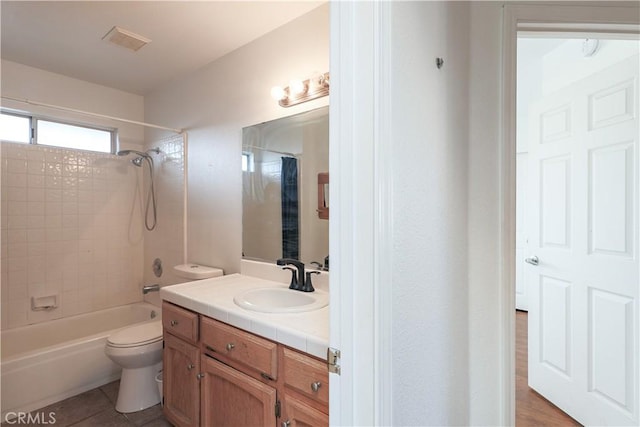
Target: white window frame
x,y
33,124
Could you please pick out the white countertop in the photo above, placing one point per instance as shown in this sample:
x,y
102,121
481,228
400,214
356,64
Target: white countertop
x,y
307,332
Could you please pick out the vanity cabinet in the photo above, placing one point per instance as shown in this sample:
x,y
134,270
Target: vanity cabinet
x,y
216,374
299,414
306,390
181,365
242,350
231,398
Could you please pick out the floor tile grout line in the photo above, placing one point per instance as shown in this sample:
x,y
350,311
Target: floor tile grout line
x,y
90,416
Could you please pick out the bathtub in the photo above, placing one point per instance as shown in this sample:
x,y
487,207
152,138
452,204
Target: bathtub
x,y
47,362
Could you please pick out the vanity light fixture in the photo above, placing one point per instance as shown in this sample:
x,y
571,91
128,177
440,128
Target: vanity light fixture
x,y
300,91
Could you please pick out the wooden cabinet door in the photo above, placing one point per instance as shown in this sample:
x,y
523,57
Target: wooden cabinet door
x,y
299,414
181,386
231,398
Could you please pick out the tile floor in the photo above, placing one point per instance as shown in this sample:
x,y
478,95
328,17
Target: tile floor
x,y
97,408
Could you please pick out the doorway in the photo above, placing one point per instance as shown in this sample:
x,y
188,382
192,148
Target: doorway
x,y
576,255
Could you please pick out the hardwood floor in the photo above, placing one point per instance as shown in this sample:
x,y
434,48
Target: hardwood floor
x,y
531,408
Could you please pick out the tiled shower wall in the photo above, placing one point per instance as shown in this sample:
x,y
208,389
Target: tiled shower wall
x,y
166,241
71,227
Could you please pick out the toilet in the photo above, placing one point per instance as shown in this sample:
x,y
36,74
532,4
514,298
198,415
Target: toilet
x,y
138,351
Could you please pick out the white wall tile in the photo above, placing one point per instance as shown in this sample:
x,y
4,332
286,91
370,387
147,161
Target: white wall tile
x,y
16,221
16,180
62,223
35,194
35,167
16,194
35,181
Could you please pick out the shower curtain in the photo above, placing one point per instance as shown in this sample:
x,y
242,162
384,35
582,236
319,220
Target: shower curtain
x,y
289,190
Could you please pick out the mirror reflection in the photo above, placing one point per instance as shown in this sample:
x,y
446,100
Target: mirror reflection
x,y
281,162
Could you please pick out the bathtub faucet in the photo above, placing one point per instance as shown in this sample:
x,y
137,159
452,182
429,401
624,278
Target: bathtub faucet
x,y
150,288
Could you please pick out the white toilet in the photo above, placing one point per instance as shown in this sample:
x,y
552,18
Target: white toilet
x,y
138,350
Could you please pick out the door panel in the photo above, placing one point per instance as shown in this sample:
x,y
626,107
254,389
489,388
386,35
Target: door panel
x,y
611,198
612,105
611,347
555,324
232,398
555,124
555,202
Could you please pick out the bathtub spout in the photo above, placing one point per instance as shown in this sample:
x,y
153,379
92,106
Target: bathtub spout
x,y
150,288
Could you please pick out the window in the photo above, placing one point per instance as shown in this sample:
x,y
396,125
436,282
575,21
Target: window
x,y
15,128
247,161
34,130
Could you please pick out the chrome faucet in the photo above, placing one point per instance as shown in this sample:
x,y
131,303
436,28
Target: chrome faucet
x,y
298,280
150,288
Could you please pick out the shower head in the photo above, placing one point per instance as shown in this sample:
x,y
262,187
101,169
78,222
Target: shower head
x,y
127,152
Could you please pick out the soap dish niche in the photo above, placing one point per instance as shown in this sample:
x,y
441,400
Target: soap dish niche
x,y
44,303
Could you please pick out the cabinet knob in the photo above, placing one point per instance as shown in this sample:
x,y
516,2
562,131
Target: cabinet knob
x,y
199,376
174,323
316,386
230,346
190,366
286,423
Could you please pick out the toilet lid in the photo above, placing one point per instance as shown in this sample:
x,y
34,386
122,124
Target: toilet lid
x,y
145,333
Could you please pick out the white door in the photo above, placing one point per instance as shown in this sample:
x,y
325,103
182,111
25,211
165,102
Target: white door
x,y
584,328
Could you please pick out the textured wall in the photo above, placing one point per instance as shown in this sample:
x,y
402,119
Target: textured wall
x,y
214,104
429,289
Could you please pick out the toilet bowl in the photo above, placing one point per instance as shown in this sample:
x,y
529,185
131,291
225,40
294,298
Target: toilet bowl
x,y
138,350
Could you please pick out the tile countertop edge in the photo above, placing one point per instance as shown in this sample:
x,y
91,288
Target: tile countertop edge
x,y
275,327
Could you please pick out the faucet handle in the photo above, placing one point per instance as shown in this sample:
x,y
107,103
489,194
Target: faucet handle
x,y
308,286
317,265
294,278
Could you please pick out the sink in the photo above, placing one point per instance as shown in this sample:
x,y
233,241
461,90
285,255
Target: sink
x,y
281,300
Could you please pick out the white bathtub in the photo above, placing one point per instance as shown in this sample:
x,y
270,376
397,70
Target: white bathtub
x,y
44,363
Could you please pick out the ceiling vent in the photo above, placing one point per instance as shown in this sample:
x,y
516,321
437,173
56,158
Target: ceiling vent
x,y
125,38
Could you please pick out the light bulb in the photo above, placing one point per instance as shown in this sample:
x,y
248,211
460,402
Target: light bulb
x,y
277,93
296,87
315,81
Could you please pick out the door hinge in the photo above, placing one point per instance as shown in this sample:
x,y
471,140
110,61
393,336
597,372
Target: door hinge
x,y
333,360
277,409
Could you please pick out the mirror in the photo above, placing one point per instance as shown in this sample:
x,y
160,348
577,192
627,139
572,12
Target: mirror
x,y
282,161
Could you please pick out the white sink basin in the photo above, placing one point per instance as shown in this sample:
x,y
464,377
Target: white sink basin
x,y
281,300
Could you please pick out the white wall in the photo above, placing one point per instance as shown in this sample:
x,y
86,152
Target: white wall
x,y
214,104
429,290
24,82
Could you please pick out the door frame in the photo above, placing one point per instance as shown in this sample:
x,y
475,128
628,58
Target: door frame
x,y
361,226
534,18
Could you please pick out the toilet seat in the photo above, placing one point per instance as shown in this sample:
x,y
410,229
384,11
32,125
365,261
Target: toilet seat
x,y
136,336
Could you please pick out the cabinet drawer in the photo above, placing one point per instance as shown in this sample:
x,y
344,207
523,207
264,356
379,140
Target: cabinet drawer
x,y
180,322
239,346
306,375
